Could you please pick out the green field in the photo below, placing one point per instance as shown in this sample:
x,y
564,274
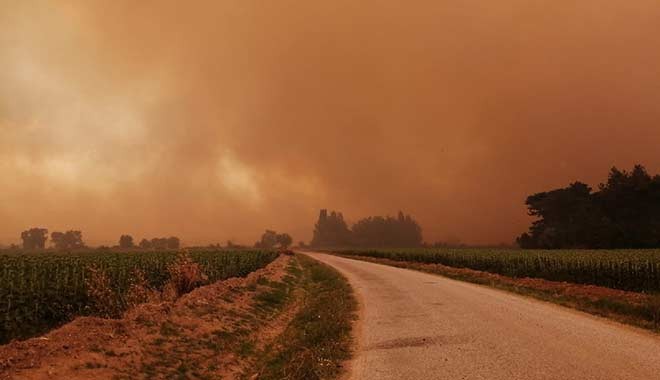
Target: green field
x,y
635,270
41,290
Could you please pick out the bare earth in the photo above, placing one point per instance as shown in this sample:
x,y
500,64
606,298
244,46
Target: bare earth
x,y
422,326
200,335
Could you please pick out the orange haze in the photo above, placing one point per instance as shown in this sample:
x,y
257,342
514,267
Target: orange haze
x,y
216,120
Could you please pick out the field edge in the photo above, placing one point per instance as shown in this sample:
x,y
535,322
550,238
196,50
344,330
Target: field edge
x,y
319,341
614,309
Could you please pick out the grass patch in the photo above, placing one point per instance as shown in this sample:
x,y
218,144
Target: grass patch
x,y
318,339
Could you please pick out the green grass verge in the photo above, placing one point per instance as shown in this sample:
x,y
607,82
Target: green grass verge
x,y
318,339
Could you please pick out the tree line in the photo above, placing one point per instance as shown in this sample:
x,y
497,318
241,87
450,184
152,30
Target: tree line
x,y
36,239
271,239
623,213
331,230
173,242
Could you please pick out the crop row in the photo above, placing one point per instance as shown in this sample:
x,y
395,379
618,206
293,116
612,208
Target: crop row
x,y
39,291
635,270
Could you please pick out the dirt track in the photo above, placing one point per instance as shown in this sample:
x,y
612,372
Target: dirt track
x,y
421,326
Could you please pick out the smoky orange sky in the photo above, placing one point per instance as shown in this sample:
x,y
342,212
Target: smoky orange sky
x,y
213,120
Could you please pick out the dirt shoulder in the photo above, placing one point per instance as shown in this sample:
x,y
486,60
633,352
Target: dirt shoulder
x,y
204,334
319,340
241,328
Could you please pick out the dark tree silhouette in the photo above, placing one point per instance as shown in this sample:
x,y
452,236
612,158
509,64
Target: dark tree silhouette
x,y
159,243
623,213
126,242
374,231
34,238
58,240
268,240
67,240
173,242
378,231
271,239
331,230
232,245
145,244
284,240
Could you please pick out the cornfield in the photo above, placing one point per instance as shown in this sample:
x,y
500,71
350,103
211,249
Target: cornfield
x,y
40,291
635,270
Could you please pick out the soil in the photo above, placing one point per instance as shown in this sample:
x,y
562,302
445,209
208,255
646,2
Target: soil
x,y
209,333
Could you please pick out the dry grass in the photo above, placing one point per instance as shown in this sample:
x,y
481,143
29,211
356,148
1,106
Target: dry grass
x,y
206,334
106,302
290,320
318,339
139,291
185,275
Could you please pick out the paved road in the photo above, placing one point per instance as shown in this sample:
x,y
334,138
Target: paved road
x,y
420,326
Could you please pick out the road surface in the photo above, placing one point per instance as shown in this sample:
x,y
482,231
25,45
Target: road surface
x,y
415,325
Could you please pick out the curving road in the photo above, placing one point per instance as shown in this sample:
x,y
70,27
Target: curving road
x,y
421,326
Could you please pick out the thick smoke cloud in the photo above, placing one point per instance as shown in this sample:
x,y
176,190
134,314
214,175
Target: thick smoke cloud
x,y
217,119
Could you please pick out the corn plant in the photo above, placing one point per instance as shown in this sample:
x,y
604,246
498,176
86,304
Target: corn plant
x,y
39,291
635,270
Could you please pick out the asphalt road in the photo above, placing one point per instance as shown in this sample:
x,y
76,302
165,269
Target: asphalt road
x,y
415,325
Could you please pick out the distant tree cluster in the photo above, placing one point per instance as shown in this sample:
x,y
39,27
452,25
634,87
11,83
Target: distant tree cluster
x,y
271,239
36,238
67,240
331,230
230,245
623,213
375,231
160,243
378,231
126,242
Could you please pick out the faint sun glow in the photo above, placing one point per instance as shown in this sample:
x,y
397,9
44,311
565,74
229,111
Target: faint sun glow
x,y
238,179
